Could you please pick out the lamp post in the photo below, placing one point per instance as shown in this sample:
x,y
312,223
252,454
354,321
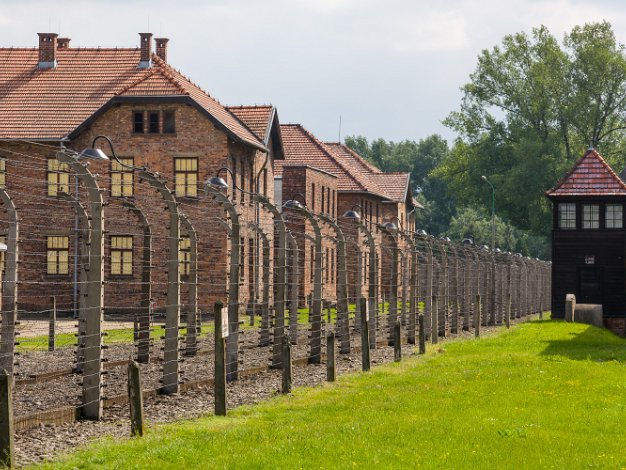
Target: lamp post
x,y
342,285
315,354
373,272
171,362
94,305
493,212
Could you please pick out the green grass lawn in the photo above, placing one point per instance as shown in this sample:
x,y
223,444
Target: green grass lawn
x,y
544,395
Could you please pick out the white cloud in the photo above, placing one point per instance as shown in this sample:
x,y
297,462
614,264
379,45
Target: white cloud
x,y
430,32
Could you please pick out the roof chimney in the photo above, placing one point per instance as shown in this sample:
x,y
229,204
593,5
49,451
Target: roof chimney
x,y
63,43
146,50
47,50
161,48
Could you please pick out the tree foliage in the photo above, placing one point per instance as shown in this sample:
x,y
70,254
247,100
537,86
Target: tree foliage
x,y
419,159
531,108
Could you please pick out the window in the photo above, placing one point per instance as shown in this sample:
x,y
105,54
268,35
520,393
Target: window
x,y
122,178
567,215
242,195
332,265
58,177
313,197
58,255
327,275
323,198
153,122
252,187
138,122
186,177
242,257
234,176
3,239
591,216
265,182
169,124
614,216
122,255
184,256
312,263
3,172
328,201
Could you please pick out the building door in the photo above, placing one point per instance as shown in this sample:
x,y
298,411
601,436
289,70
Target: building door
x,y
590,286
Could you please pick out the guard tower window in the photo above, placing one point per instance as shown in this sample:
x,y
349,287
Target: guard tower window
x,y
591,216
567,215
614,216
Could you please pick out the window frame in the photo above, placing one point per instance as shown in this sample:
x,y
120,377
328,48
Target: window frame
x,y
166,123
61,172
136,122
3,172
613,219
565,214
123,251
186,174
57,251
150,129
588,221
124,174
184,255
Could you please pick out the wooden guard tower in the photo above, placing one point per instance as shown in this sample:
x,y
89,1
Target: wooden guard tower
x,y
588,244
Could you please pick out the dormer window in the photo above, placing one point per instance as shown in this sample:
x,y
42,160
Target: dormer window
x,y
567,215
138,122
614,216
591,216
153,127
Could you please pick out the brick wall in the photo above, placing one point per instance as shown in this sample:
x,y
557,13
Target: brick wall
x,y
320,194
43,215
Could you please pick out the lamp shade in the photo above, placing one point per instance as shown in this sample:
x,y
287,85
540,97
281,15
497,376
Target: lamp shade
x,y
93,153
352,214
390,226
293,204
217,182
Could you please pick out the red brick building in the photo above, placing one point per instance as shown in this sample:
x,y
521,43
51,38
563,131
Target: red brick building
x,y
58,96
381,196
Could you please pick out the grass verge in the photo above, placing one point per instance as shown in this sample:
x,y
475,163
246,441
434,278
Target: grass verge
x,y
544,395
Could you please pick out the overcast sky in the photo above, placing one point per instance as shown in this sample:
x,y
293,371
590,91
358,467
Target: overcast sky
x,y
390,69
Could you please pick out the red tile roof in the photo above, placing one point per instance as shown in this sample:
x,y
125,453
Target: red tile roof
x,y
257,118
302,147
591,176
393,185
51,103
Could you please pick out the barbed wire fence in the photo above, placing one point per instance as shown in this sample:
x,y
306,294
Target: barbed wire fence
x,y
91,282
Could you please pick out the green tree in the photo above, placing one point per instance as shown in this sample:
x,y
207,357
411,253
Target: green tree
x,y
420,159
531,108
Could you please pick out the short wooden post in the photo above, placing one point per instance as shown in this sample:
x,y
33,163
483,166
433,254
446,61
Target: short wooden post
x,y
434,328
507,318
52,325
541,306
220,362
331,365
135,399
397,342
7,451
477,316
286,365
570,307
365,336
421,334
